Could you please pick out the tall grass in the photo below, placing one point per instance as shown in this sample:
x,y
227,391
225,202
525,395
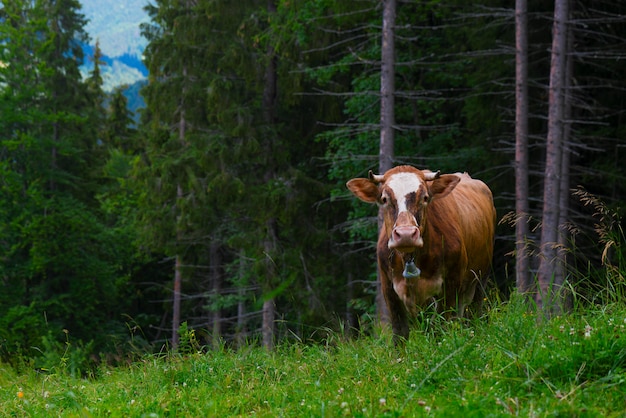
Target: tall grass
x,y
602,281
505,364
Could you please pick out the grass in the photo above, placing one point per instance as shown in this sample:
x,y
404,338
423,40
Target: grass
x,y
505,364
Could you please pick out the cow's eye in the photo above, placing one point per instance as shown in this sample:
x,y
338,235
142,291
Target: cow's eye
x,y
426,198
384,200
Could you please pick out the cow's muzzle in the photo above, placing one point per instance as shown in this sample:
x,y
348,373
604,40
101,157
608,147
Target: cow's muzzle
x,y
406,238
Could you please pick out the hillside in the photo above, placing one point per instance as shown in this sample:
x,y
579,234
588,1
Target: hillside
x,y
116,26
506,365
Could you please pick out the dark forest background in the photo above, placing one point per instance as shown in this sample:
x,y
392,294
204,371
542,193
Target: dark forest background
x,y
224,208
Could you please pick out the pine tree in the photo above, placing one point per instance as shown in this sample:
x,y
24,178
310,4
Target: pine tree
x,y
63,259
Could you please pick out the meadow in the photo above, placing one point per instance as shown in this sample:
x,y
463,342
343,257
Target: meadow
x,y
507,363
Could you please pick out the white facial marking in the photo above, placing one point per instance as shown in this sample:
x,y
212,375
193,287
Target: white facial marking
x,y
402,185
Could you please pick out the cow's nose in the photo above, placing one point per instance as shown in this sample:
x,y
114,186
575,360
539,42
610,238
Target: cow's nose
x,y
405,238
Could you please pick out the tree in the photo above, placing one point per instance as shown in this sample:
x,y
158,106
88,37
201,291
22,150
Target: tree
x,y
522,265
119,132
269,106
172,173
52,213
549,277
387,119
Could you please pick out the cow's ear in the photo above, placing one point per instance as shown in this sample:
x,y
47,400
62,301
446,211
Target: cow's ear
x,y
364,189
443,185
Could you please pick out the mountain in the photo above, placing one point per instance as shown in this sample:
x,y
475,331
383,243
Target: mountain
x,y
115,25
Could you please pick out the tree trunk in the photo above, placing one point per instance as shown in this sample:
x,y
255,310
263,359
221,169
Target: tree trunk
x,y
269,314
351,323
387,87
565,299
216,280
387,121
522,265
178,275
176,303
270,242
241,332
548,277
269,307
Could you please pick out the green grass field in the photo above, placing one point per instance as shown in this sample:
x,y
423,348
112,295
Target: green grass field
x,y
504,364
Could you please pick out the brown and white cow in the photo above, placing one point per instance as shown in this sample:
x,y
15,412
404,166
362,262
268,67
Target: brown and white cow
x,y
436,242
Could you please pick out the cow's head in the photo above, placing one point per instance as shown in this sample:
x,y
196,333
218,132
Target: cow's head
x,y
404,193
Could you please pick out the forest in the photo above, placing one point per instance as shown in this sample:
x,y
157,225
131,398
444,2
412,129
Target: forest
x,y
223,212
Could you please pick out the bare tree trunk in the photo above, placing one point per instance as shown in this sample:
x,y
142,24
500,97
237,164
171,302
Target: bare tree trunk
x,y
522,265
241,304
216,280
178,279
565,299
270,242
269,306
350,317
387,121
269,319
548,279
178,275
387,87
176,302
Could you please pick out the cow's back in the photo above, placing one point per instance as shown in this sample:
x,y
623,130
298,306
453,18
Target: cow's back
x,y
477,219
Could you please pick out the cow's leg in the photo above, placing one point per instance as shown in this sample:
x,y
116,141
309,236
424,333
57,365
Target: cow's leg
x,y
397,310
454,297
479,294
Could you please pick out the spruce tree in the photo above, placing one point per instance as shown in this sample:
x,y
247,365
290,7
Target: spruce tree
x,y
63,260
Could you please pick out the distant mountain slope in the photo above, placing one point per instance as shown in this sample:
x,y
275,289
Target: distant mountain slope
x,y
115,25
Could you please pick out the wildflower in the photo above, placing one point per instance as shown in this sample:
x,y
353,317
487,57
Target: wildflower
x,y
588,330
382,401
344,405
20,394
340,391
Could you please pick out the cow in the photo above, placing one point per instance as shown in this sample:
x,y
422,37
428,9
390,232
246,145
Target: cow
x,y
435,244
